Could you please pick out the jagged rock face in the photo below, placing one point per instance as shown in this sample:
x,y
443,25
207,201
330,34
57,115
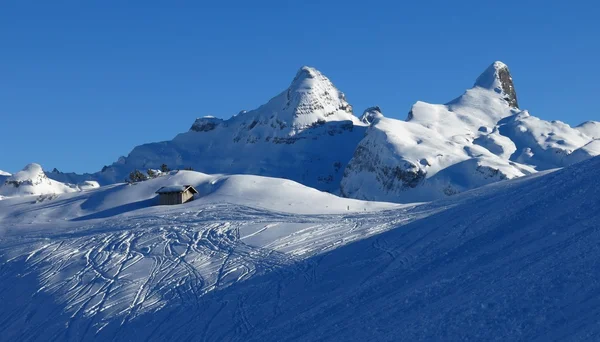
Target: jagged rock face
x,y
394,177
508,87
312,93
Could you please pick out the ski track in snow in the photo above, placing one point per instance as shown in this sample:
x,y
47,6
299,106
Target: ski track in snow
x,y
124,268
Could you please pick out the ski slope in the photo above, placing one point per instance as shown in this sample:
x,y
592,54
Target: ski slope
x,y
515,260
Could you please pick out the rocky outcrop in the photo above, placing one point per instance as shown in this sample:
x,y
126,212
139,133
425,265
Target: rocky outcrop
x,y
371,114
497,77
205,124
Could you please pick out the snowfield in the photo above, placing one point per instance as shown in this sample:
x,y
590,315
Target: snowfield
x,y
262,259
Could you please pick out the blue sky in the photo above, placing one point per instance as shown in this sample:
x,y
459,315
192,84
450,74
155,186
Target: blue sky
x,y
82,82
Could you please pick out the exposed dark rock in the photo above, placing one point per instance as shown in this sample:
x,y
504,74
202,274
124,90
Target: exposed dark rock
x,y
371,114
497,77
508,87
205,124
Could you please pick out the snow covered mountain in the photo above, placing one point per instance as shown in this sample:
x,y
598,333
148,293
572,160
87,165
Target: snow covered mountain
x,y
284,138
479,138
309,134
33,181
262,259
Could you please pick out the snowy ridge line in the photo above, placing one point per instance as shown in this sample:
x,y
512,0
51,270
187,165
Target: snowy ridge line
x,y
440,150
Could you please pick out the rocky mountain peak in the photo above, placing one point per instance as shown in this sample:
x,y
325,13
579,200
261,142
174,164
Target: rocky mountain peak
x,y
312,92
497,77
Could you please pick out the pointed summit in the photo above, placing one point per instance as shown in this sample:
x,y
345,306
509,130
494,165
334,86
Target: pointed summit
x,y
310,101
497,77
311,97
311,87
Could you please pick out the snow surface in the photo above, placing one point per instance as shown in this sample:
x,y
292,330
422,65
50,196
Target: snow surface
x,y
259,259
273,194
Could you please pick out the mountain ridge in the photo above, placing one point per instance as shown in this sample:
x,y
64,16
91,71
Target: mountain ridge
x,y
308,133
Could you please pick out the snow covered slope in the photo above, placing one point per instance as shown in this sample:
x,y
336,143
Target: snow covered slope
x,y
274,194
515,260
306,134
479,138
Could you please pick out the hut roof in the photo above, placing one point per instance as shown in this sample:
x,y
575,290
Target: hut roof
x,y
176,189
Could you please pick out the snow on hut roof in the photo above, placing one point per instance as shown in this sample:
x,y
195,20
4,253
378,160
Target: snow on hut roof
x,y
176,188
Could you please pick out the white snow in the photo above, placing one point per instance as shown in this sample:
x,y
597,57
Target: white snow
x,y
308,134
88,185
476,139
32,181
254,258
280,195
590,128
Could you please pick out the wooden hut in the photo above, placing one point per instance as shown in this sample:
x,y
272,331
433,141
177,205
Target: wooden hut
x,y
176,194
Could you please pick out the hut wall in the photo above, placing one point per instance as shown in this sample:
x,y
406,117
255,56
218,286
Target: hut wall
x,y
169,199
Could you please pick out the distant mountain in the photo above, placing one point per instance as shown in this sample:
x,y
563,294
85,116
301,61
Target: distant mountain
x,y
32,180
479,138
309,134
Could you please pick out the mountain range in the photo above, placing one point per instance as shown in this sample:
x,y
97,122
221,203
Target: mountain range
x,y
255,258
309,133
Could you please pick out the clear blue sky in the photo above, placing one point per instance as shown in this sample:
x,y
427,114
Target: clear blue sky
x,y
82,82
